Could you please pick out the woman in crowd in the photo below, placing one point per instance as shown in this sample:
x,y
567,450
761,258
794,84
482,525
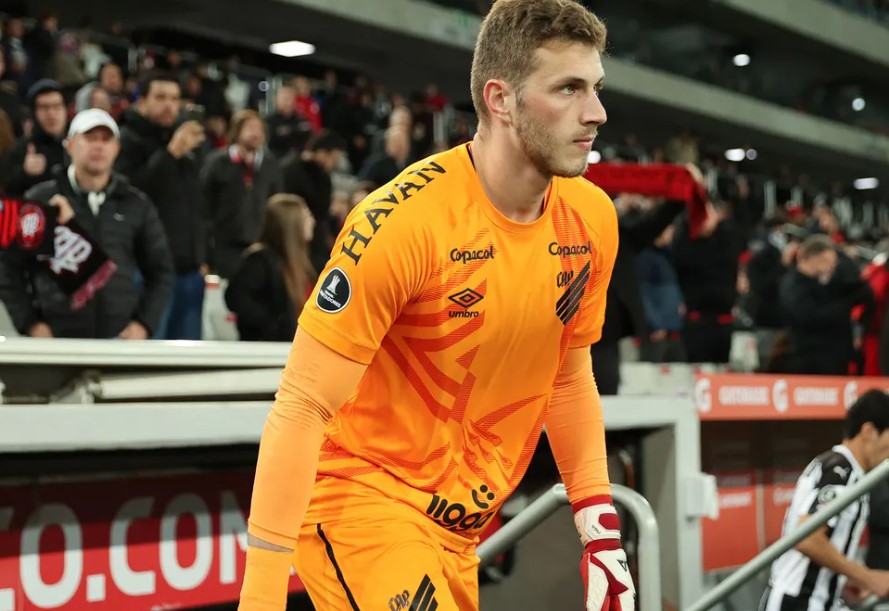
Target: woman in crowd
x,y
269,289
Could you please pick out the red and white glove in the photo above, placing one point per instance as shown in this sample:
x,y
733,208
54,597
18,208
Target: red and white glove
x,y
606,575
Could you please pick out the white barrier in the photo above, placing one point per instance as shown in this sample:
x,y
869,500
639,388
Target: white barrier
x,y
212,394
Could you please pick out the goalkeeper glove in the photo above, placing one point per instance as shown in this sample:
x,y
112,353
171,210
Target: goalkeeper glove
x,y
606,575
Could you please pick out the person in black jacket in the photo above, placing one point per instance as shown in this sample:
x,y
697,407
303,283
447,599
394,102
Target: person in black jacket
x,y
164,160
624,312
708,272
307,174
772,256
237,182
269,289
119,219
818,297
34,158
10,102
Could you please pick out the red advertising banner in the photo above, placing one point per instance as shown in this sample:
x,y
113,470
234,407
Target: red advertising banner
x,y
138,544
771,397
731,540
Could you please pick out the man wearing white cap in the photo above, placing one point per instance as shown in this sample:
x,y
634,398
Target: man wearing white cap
x,y
116,217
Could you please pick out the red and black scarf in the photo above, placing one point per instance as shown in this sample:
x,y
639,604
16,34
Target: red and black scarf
x,y
76,263
672,182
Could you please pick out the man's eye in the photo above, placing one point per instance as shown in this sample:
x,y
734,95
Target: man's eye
x,y
568,89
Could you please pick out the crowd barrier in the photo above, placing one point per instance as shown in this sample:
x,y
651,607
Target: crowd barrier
x,y
151,428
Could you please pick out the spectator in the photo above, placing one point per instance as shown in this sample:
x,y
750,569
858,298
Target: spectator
x,y
334,105
638,225
288,131
275,277
383,167
876,274
100,99
164,160
771,258
33,158
435,100
818,303
308,175
41,44
9,101
708,272
17,60
662,300
304,104
237,183
117,217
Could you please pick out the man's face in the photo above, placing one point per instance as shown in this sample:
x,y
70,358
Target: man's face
x,y
112,79
284,101
252,135
329,160
99,99
822,265
93,152
160,104
49,111
876,445
558,110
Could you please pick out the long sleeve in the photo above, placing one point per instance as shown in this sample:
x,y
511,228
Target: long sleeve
x,y
576,429
308,397
643,229
14,292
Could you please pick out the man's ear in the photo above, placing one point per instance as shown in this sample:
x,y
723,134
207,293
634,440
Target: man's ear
x,y
500,99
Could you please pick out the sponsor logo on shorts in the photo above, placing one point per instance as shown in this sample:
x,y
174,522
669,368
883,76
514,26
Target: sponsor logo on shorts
x,y
335,291
465,256
466,299
400,601
571,250
457,517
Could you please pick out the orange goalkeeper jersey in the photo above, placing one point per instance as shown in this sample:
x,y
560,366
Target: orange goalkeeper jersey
x,y
464,317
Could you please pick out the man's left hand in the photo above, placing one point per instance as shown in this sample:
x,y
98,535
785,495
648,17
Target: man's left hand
x,y
134,330
608,585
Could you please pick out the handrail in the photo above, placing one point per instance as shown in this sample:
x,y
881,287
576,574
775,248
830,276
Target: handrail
x,y
649,593
871,603
768,555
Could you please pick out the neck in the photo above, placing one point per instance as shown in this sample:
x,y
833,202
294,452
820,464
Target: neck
x,y
91,182
855,446
518,191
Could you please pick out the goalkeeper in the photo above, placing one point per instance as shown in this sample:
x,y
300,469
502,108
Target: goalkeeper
x,y
453,321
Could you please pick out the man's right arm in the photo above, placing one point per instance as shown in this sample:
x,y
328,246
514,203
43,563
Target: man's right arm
x,y
288,463
144,172
822,552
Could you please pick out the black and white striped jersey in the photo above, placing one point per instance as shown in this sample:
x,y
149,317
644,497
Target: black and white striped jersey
x,y
797,583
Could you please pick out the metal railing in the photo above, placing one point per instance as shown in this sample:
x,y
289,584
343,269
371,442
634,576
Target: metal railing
x,y
649,587
750,570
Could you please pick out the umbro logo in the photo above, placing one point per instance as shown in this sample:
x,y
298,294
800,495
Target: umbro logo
x,y
465,299
569,302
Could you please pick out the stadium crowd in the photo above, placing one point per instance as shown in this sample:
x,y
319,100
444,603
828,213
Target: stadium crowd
x,y
256,199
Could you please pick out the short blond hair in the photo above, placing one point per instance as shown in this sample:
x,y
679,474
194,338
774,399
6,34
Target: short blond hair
x,y
515,29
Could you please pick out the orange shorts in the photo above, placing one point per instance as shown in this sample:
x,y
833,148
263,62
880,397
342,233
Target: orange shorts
x,y
375,553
